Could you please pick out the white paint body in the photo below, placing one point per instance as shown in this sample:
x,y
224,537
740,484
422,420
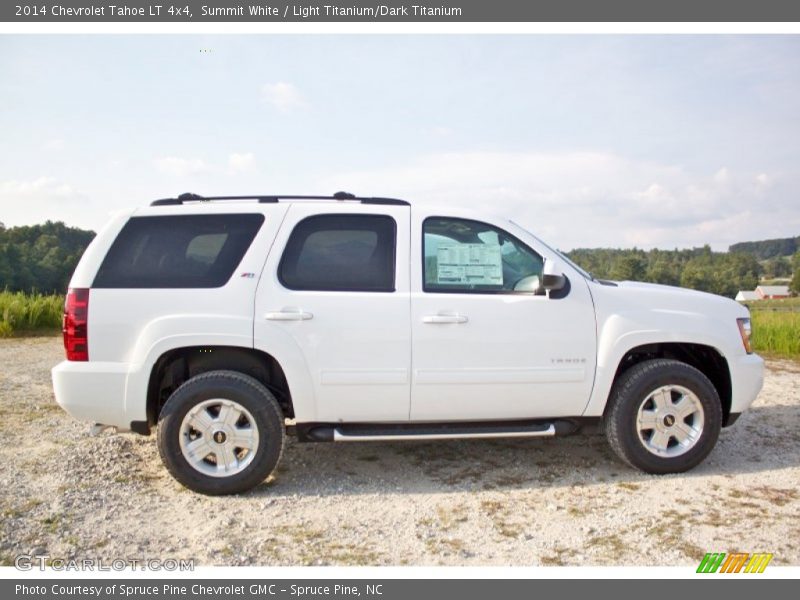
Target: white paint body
x,y
403,356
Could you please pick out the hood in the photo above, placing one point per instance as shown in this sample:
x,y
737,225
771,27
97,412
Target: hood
x,y
636,295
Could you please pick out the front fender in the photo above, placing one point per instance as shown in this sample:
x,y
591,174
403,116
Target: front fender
x,y
622,333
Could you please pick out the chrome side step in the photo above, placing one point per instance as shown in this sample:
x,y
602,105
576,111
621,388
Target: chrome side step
x,y
366,436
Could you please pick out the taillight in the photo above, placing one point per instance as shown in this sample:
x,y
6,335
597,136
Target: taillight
x,y
74,324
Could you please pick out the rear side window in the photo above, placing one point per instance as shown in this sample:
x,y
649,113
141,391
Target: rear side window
x,y
340,253
186,251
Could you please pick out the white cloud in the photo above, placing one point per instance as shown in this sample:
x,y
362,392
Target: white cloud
x,y
238,163
441,131
26,202
13,188
283,96
53,145
180,167
581,199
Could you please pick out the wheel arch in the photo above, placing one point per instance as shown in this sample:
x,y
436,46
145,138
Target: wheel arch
x,y
177,365
706,359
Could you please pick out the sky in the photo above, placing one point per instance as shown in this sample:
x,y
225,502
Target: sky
x,y
586,140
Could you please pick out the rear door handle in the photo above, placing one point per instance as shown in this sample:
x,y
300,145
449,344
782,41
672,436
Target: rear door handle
x,y
444,319
288,315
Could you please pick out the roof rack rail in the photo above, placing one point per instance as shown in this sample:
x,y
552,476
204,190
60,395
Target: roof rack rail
x,y
190,197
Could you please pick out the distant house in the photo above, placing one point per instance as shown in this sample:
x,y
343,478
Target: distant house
x,y
767,292
746,296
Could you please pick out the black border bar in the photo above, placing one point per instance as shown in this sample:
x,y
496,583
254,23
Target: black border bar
x,y
403,11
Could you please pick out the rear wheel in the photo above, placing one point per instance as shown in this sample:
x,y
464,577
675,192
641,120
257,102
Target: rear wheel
x,y
221,432
664,416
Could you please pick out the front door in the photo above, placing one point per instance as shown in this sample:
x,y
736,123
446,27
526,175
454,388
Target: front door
x,y
485,345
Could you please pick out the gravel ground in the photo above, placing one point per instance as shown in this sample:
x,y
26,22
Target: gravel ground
x,y
565,501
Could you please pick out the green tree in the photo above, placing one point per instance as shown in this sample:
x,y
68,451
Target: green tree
x,y
663,270
697,275
40,257
723,273
631,267
795,285
778,266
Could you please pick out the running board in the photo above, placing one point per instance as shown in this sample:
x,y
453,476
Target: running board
x,y
387,432
339,436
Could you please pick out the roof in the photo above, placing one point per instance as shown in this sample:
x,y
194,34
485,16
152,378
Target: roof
x,y
747,295
773,290
272,198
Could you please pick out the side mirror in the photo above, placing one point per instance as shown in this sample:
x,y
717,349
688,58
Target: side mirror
x,y
531,284
552,278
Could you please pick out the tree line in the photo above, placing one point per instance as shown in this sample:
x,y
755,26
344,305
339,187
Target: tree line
x,y
766,249
40,258
723,273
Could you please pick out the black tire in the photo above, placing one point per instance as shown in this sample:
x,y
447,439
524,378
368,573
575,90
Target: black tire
x,y
248,393
630,393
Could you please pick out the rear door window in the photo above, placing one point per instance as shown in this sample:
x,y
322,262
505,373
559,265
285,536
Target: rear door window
x,y
340,253
181,251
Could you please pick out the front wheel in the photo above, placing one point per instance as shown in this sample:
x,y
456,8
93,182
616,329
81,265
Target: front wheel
x,y
221,432
664,416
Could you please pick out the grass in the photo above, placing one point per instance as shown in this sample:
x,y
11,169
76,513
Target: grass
x,y
788,304
612,545
318,547
776,333
29,314
561,557
54,522
625,485
8,512
776,327
6,559
498,513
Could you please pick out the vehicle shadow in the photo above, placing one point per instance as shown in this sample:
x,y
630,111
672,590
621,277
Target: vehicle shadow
x,y
764,439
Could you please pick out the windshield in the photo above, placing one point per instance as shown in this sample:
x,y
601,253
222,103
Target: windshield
x,y
566,259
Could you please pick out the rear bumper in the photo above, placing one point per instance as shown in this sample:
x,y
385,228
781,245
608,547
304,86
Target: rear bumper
x,y
747,379
94,392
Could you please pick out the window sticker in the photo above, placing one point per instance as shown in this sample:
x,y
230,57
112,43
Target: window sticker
x,y
471,264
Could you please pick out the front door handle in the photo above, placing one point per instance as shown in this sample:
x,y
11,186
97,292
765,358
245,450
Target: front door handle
x,y
443,319
288,315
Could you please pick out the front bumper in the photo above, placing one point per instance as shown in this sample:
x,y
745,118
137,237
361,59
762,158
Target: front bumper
x,y
747,379
94,392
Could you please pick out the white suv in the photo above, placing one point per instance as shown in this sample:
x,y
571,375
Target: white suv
x,y
220,319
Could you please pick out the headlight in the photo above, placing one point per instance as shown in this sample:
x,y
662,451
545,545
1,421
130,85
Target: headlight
x,y
745,329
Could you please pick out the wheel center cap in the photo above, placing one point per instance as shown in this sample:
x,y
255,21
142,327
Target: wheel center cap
x,y
669,420
219,437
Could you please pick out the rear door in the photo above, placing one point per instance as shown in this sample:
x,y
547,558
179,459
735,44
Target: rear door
x,y
336,283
